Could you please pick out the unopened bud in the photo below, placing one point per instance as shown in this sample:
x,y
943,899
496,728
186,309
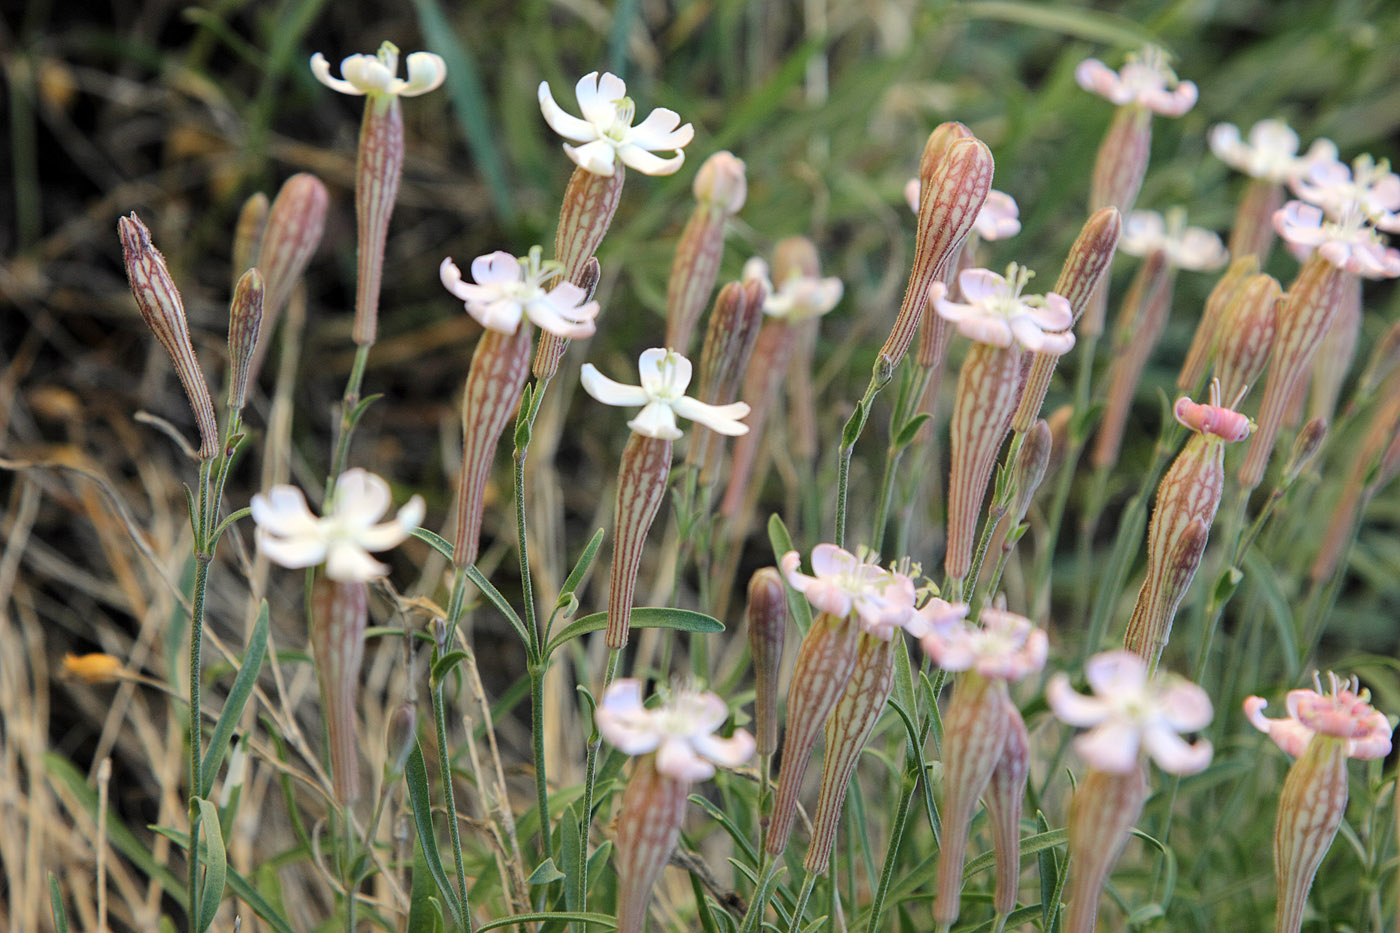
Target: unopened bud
x,y
1305,447
1029,470
589,277
729,343
1211,327
1247,329
164,313
244,326
294,227
437,630
237,771
403,734
721,183
248,233
767,629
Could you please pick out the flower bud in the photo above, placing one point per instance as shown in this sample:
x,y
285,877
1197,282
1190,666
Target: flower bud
x,y
641,487
767,631
294,227
1248,326
1211,327
378,172
248,233
721,183
339,615
244,325
1140,326
719,191
1305,447
953,190
729,343
164,313
403,735
1088,261
1307,312
1004,797
1101,817
1337,351
1119,168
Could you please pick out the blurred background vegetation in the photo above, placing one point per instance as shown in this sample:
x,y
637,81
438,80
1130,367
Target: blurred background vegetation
x,y
180,111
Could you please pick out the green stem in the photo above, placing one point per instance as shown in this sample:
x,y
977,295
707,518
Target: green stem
x,y
348,404
808,883
201,579
454,615
590,777
849,435
901,816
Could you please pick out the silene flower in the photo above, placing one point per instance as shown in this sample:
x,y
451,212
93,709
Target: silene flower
x,y
1347,242
843,584
1343,711
1146,79
1005,646
290,535
665,375
1129,711
1193,248
1271,151
506,288
681,730
995,312
999,218
1367,185
798,297
378,74
606,129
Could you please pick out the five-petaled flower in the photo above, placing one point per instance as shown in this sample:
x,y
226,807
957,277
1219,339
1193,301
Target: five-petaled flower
x,y
606,129
508,288
1344,711
1145,79
1130,711
680,731
996,313
1193,248
665,374
1007,646
844,584
798,297
1348,242
378,74
1366,185
1271,151
290,535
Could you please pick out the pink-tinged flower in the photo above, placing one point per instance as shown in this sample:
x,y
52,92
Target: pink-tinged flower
x,y
1130,712
1348,243
606,129
1212,418
506,289
1271,151
1007,646
999,218
342,538
844,584
1186,247
798,297
681,731
1145,79
1344,711
1370,186
378,74
665,375
995,312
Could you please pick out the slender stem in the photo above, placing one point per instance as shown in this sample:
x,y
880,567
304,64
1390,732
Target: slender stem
x,y
201,579
854,427
352,881
808,883
590,776
901,816
454,615
348,404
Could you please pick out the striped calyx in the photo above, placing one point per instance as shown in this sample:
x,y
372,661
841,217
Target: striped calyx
x,y
648,825
729,344
720,189
641,488
378,171
339,614
1209,329
244,324
1105,806
1247,330
164,313
1140,326
294,227
768,618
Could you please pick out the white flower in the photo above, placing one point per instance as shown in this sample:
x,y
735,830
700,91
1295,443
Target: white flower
x,y
1006,646
680,731
1129,712
996,313
1145,79
1348,243
1186,247
606,129
999,218
508,288
291,536
1367,186
844,584
800,297
1271,152
665,374
377,74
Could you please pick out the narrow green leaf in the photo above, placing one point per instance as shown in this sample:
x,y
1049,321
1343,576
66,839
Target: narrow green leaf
x,y
359,410
570,860
1030,845
445,664
854,426
905,437
60,915
545,873
493,595
424,911
215,860
585,561
1078,22
680,620
735,833
237,698
240,886
416,774
1265,578
575,916
702,906
781,541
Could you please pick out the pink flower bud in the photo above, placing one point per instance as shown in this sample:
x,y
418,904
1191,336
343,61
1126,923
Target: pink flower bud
x,y
1088,260
1247,330
767,632
294,227
719,192
248,233
495,381
1105,806
989,386
641,488
847,730
1209,330
587,211
721,183
1307,312
953,192
1004,797
729,343
1140,325
339,614
244,324
164,313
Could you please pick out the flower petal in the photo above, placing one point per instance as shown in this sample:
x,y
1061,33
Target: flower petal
x,y
597,157
677,759
722,419
661,130
728,753
361,498
648,164
1116,672
347,562
565,124
609,392
1111,746
322,70
426,72
657,419
1072,707
292,553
